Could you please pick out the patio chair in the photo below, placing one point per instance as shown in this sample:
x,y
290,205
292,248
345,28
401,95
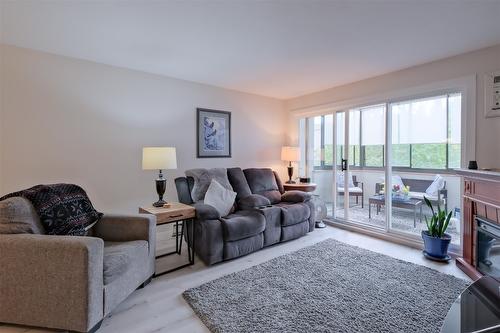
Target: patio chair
x,y
356,189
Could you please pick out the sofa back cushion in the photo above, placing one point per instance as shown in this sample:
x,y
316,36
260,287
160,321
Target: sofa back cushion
x,y
263,182
202,179
184,190
18,216
239,182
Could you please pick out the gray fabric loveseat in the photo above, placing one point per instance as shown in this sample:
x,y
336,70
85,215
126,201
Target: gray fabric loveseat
x,y
70,282
263,215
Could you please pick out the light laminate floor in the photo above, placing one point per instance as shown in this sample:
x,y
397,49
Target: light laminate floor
x,y
160,307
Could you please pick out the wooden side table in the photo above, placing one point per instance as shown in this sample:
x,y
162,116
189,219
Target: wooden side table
x,y
304,187
175,213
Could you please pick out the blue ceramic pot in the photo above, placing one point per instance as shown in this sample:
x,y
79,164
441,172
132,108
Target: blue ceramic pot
x,y
435,246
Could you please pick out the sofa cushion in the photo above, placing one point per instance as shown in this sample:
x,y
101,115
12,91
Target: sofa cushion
x,y
263,182
202,179
296,196
18,216
294,231
220,198
239,182
118,257
242,224
293,213
253,201
243,246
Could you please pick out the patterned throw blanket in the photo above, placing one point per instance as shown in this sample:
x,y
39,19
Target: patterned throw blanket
x,y
64,209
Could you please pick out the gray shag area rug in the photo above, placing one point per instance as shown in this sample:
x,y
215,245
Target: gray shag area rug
x,y
327,287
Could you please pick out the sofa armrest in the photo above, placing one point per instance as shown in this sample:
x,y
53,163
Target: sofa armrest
x,y
45,276
129,227
253,201
296,196
206,212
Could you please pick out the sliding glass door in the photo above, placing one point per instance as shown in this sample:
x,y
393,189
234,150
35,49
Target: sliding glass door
x,y
361,165
375,164
426,144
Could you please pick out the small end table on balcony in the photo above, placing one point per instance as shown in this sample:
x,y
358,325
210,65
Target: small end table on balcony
x,y
175,212
413,204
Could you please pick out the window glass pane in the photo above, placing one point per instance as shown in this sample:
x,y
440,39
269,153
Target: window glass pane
x,y
328,139
374,155
373,125
454,119
401,155
428,156
354,139
373,135
340,137
317,141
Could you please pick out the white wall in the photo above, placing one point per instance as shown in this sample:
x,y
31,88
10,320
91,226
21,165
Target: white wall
x,y
68,120
473,63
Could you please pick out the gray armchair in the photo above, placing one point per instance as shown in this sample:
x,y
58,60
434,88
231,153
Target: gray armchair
x,y
70,282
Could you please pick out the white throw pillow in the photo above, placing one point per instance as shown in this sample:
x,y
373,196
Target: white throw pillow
x,y
436,186
220,198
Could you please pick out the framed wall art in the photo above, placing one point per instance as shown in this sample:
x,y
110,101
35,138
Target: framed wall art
x,y
213,133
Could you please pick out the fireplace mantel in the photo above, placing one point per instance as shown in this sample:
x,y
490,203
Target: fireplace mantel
x,y
481,197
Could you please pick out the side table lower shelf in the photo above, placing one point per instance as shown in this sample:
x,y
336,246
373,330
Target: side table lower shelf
x,y
190,239
177,213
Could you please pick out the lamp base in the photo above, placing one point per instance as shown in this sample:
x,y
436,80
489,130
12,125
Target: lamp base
x,y
161,185
159,203
290,182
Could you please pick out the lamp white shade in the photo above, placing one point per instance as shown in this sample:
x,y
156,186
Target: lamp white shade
x,y
159,158
290,154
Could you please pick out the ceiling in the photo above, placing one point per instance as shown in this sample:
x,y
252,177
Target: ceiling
x,y
274,48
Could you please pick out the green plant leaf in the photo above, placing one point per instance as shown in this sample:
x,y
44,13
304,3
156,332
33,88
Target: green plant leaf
x,y
429,204
446,223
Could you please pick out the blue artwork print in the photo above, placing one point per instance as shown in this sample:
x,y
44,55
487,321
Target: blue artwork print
x,y
214,133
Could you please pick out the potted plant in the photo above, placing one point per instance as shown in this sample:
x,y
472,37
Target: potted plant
x,y
436,240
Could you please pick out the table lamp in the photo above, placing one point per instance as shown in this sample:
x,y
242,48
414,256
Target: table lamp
x,y
290,154
159,158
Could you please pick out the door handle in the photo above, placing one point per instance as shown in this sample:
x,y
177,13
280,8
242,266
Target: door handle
x,y
344,165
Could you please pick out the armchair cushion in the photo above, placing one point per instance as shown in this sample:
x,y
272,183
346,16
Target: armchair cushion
x,y
118,257
253,201
295,196
123,228
18,216
205,212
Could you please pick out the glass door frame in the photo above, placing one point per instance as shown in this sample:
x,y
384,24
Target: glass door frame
x,y
346,159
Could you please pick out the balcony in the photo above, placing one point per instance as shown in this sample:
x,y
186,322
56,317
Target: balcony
x,y
368,208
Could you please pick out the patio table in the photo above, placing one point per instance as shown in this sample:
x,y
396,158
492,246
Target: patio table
x,y
413,204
